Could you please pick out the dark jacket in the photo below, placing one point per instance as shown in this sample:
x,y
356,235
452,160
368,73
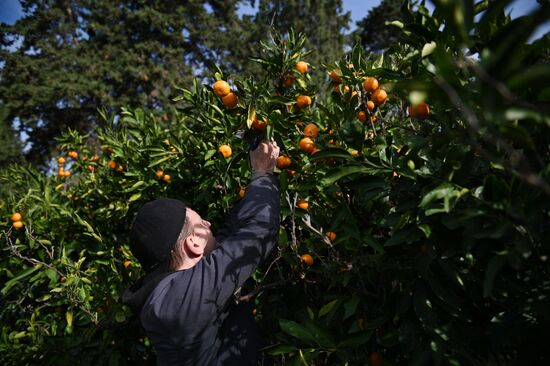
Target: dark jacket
x,y
190,315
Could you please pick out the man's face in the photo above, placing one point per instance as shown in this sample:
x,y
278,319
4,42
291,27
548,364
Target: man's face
x,y
200,229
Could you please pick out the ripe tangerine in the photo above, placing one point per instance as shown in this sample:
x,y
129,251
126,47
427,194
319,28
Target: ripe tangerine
x,y
307,259
331,235
16,217
334,76
307,145
379,96
311,130
221,88
302,67
303,101
420,111
17,225
225,150
370,84
259,125
283,162
303,204
230,100
361,116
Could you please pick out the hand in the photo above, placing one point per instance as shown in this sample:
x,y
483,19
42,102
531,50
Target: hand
x,y
264,157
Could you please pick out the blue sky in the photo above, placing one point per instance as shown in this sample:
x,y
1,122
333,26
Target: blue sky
x,y
10,10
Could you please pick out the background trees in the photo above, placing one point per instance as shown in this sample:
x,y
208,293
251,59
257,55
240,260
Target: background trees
x,y
78,55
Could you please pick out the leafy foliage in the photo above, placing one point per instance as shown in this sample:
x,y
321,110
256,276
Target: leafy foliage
x,y
439,244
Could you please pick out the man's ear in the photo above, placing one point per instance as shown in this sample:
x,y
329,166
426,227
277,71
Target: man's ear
x,y
194,247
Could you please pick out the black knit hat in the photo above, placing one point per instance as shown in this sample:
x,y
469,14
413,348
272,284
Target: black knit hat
x,y
155,231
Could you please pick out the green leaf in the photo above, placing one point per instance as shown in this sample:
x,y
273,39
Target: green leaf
x,y
339,173
159,161
251,115
334,153
281,349
21,275
296,330
428,48
350,307
325,309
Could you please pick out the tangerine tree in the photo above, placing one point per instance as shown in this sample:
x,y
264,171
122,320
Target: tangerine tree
x,y
415,203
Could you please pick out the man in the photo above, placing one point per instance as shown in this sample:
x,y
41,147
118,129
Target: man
x,y
185,302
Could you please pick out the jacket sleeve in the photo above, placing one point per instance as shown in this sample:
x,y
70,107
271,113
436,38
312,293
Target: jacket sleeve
x,y
250,235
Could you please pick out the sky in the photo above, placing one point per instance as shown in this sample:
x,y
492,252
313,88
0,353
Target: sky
x,y
10,11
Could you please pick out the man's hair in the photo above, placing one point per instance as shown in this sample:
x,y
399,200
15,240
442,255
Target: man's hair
x,y
178,253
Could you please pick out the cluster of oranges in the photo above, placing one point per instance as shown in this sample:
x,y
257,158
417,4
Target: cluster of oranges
x,y
221,89
307,143
162,176
61,172
17,220
302,67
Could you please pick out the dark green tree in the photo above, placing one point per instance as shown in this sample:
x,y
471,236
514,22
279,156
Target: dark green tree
x,y
373,33
10,148
77,55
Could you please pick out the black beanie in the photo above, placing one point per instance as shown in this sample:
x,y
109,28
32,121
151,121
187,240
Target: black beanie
x,y
155,231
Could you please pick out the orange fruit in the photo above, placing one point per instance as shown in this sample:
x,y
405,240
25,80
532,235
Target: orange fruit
x,y
283,162
290,173
303,204
420,111
241,192
376,359
112,164
159,173
126,264
94,158
370,84
221,88
311,130
230,100
334,76
90,168
166,178
288,81
361,116
303,101
373,118
379,96
254,312
16,217
302,67
370,105
259,125
61,160
307,145
120,168
73,154
307,259
331,235
61,172
17,225
225,150
66,173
